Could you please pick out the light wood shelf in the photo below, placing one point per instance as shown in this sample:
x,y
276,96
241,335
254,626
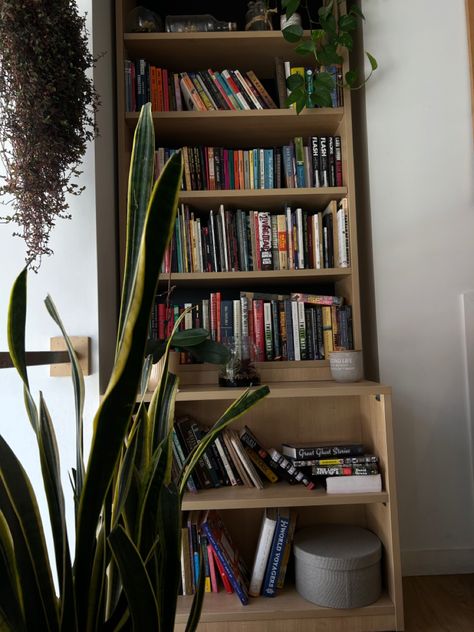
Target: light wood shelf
x,y
246,50
262,198
283,390
287,605
235,128
276,495
250,279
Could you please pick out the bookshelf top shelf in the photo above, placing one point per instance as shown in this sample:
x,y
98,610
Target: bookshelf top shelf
x,y
276,495
244,128
245,50
284,390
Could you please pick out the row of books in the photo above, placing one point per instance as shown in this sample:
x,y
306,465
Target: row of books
x,y
232,241
266,327
315,162
205,533
202,90
284,69
238,458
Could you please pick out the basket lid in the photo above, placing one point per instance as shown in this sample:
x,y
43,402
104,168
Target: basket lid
x,y
337,547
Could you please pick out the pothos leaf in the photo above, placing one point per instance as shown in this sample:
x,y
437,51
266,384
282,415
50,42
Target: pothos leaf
x,y
293,33
373,62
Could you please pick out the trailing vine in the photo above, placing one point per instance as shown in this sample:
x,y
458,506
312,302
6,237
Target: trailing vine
x,y
47,114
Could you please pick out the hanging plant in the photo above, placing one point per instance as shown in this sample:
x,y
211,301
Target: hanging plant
x,y
47,114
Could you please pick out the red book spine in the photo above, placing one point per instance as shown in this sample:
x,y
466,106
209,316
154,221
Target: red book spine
x,y
259,328
221,90
213,315
161,321
218,316
236,170
228,588
212,568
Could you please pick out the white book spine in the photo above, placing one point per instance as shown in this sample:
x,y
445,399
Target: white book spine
x,y
299,233
289,236
296,336
264,546
248,91
205,314
267,323
225,461
301,328
188,318
245,460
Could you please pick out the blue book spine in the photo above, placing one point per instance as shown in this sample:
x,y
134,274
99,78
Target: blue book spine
x,y
276,554
227,319
269,179
256,169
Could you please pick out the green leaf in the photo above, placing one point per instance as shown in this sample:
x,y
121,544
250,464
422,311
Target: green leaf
x,y
373,62
293,33
305,48
140,183
317,35
294,81
325,11
321,97
20,509
79,396
329,25
291,6
351,78
97,584
295,96
345,39
210,351
247,400
51,473
347,22
328,55
16,340
169,530
112,419
189,337
355,10
136,582
323,80
11,607
124,478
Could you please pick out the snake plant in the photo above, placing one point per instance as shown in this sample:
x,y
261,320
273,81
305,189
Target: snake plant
x,y
124,571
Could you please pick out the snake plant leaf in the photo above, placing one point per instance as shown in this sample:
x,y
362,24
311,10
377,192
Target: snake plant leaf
x,y
11,606
113,416
210,351
97,586
248,399
51,473
18,505
136,582
16,323
198,599
189,337
79,395
124,479
140,183
169,531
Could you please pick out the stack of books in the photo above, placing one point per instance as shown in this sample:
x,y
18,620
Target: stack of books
x,y
266,327
312,162
342,467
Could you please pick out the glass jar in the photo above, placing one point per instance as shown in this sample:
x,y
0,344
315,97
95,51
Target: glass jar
x,y
142,20
196,23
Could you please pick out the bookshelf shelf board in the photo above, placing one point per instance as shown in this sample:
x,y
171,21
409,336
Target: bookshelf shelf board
x,y
270,277
254,50
274,495
283,390
234,129
286,605
250,199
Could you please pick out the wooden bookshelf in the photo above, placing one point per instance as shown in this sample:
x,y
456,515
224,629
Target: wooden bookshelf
x,y
304,404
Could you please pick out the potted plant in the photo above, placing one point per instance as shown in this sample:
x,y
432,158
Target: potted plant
x,y
330,36
125,570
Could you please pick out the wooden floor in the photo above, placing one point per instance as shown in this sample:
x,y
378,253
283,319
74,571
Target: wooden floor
x,y
442,603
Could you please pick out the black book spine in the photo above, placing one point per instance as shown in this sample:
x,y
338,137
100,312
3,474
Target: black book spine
x,y
310,346
331,161
208,458
316,161
213,91
323,162
319,332
243,91
275,331
248,439
189,440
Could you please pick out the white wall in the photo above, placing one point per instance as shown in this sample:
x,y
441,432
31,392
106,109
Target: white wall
x,y
421,199
70,277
